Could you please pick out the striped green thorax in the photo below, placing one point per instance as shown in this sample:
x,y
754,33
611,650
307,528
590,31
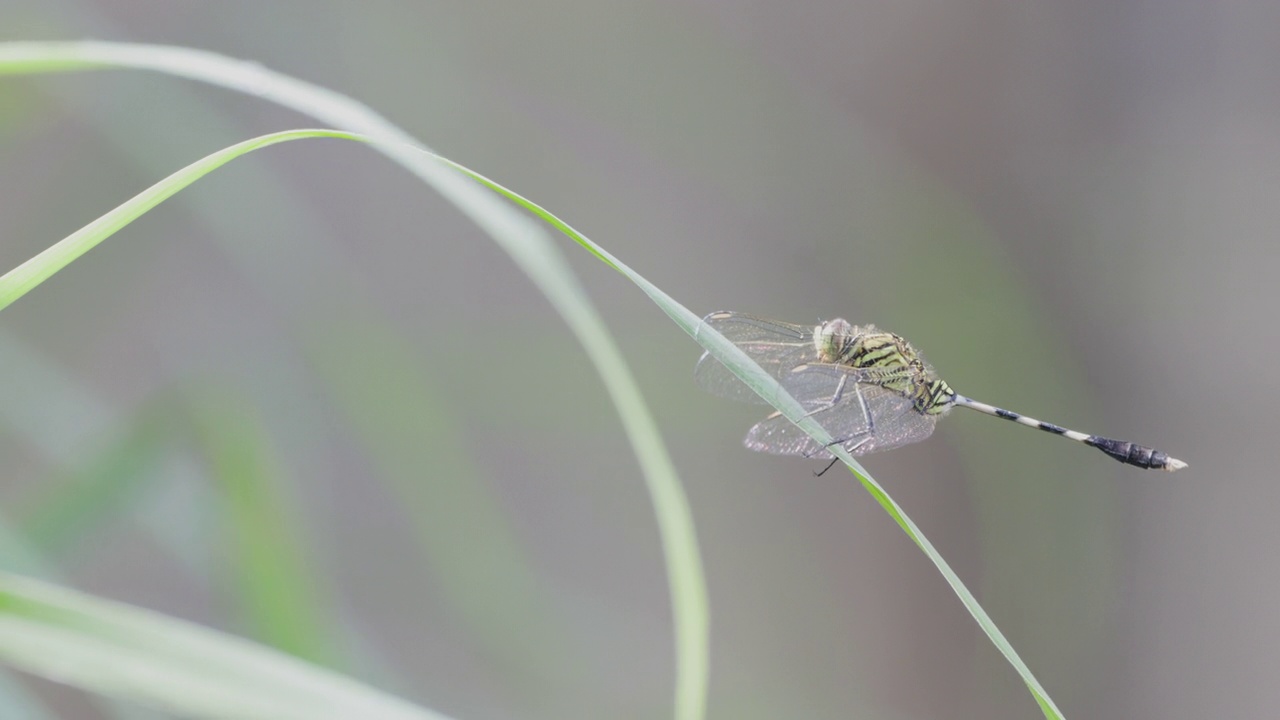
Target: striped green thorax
x,y
838,342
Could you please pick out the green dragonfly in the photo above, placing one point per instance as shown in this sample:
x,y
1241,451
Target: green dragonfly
x,y
870,389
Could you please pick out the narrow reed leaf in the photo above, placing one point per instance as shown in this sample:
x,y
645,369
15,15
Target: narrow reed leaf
x,y
97,490
399,415
529,247
547,269
278,594
173,665
22,279
768,388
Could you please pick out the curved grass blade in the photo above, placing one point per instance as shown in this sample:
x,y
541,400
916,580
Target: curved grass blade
x,y
546,268
529,247
17,555
171,664
670,499
149,672
22,279
44,265
768,388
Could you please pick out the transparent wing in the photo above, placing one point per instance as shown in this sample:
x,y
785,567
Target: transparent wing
x,y
775,346
865,418
897,424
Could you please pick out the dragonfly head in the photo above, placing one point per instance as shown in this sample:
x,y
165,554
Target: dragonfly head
x,y
834,339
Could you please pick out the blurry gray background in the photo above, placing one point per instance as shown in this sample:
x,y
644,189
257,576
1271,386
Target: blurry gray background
x,y
1071,207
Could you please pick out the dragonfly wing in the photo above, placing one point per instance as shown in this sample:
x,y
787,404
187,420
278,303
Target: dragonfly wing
x,y
776,347
897,423
779,436
848,403
832,396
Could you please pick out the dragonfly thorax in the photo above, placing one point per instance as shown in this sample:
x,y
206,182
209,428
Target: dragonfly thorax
x,y
935,396
839,342
905,371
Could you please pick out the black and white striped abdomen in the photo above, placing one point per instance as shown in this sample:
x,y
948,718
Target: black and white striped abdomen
x,y
1126,452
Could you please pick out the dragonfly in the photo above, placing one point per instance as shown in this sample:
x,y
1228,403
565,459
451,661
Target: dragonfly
x,y
870,389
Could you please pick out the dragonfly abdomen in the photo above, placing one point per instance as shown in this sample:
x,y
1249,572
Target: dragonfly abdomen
x,y
1041,425
1126,452
1135,454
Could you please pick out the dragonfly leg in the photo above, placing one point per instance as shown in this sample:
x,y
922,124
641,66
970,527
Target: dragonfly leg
x,y
867,419
835,399
834,459
867,435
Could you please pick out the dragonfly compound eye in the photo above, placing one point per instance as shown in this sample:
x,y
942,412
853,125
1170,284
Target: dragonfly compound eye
x,y
831,339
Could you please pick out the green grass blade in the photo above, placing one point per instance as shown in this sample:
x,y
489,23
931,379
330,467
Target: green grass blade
x,y
688,586
546,268
769,389
400,415
99,489
22,279
174,665
17,555
526,243
278,595
204,690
